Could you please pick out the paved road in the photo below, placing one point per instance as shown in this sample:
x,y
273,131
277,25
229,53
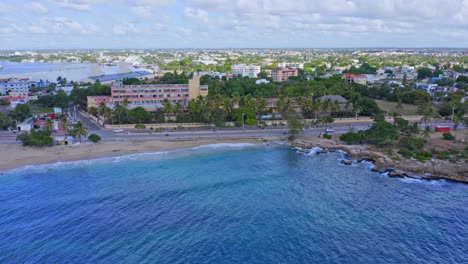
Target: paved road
x,y
86,122
135,134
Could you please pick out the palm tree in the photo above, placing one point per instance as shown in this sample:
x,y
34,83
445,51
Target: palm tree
x,y
49,125
261,105
227,105
108,114
177,107
167,106
93,111
327,105
101,109
356,108
125,104
426,133
63,123
317,108
79,130
336,107
456,121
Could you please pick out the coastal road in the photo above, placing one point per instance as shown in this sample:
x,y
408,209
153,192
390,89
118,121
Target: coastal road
x,y
227,133
87,122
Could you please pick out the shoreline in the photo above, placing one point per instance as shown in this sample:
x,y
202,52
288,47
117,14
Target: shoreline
x,y
31,156
433,169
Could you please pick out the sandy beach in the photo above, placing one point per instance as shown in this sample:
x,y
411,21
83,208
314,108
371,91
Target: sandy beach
x,y
14,155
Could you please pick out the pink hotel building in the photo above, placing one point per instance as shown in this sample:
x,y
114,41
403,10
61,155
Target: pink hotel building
x,y
151,96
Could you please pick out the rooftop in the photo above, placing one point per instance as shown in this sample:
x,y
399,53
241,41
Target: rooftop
x,y
118,76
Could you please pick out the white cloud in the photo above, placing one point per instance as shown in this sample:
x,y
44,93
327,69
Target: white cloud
x,y
6,8
196,15
243,22
142,11
66,26
38,8
78,5
125,28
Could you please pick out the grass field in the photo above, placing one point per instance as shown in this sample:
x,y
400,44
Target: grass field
x,y
42,110
391,107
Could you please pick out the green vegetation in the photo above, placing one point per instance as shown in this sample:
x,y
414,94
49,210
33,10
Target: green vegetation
x,y
448,136
295,124
21,112
59,100
37,138
79,131
35,110
94,138
5,122
79,95
393,107
140,126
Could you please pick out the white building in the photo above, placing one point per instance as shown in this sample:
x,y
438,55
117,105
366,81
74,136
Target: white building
x,y
14,84
244,70
291,65
260,81
66,89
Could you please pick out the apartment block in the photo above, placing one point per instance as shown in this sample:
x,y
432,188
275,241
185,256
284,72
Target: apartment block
x,y
291,65
281,75
355,78
151,96
14,85
244,70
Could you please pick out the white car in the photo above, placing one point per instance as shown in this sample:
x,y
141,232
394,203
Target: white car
x,y
329,130
118,131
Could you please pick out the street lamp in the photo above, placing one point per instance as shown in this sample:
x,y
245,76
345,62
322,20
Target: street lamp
x,y
243,125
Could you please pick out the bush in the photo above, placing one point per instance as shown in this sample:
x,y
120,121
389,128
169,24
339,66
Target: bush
x,y
448,136
37,138
94,138
327,136
443,155
140,126
352,138
423,155
412,143
405,153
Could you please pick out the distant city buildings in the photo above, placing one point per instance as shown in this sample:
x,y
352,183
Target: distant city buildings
x,y
281,75
244,70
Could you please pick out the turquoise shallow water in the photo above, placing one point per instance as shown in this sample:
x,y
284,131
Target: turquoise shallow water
x,y
228,204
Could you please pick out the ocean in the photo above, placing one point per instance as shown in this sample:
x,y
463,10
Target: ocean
x,y
228,203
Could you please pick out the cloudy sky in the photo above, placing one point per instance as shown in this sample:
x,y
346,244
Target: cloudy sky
x,y
45,24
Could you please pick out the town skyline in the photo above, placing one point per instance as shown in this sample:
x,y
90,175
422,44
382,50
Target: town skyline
x,y
211,24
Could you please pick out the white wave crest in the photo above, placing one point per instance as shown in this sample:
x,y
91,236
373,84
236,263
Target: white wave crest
x,y
225,145
313,151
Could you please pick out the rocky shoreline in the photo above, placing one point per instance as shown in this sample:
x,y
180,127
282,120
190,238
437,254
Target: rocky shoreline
x,y
433,169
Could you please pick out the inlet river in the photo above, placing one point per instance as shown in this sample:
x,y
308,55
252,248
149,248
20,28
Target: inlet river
x,y
228,204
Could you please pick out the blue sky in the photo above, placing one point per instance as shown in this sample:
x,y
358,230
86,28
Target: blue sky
x,y
62,24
